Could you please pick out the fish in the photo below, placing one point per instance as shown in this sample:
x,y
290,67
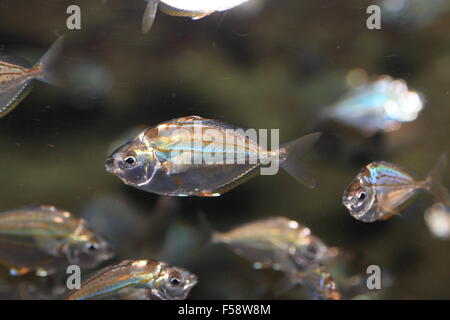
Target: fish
x,y
276,243
41,239
437,219
194,9
16,76
193,156
137,280
380,105
320,283
380,188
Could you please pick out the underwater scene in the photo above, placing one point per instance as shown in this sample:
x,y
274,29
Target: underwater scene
x,y
224,149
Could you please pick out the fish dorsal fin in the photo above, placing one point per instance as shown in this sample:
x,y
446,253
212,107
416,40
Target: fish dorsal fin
x,y
11,98
18,61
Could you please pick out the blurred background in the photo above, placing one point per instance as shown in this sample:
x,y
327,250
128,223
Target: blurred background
x,y
266,64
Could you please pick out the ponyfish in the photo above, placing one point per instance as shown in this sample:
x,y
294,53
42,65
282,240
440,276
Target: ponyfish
x,y
194,9
381,187
193,156
137,280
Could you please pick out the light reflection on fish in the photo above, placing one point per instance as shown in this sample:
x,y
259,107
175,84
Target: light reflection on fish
x,y
194,9
380,105
137,280
161,159
437,219
42,239
320,282
276,243
381,187
16,76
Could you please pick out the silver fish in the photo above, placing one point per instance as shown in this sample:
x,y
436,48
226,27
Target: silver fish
x,y
380,105
276,243
137,280
194,9
381,187
16,76
41,239
437,219
162,158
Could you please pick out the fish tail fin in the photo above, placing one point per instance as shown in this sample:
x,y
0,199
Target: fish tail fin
x,y
290,154
210,233
149,15
434,181
48,63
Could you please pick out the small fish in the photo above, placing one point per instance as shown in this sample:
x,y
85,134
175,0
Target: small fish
x,y
320,282
276,243
41,239
380,105
437,218
163,158
137,280
194,9
16,76
381,187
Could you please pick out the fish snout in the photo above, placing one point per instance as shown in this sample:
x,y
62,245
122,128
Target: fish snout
x,y
110,165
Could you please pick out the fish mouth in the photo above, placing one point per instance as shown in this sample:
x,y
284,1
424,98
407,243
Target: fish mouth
x,y
110,166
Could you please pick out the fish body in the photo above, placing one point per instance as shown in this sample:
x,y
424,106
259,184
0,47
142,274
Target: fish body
x,y
16,76
40,239
137,280
193,156
381,105
437,219
276,243
381,187
194,9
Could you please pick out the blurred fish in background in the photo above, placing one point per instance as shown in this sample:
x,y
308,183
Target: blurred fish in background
x,y
412,14
378,105
44,239
437,219
285,245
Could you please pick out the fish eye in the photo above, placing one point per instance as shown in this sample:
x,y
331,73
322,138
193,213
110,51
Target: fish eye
x,y
361,196
91,247
130,161
312,250
175,282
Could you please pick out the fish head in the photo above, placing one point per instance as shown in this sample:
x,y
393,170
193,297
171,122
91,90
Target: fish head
x,y
87,249
313,249
360,200
177,283
134,163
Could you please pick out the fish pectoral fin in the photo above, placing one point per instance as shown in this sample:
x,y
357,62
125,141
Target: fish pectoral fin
x,y
11,98
149,15
389,213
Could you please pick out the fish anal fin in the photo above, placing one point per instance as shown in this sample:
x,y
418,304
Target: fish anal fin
x,y
10,99
250,173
